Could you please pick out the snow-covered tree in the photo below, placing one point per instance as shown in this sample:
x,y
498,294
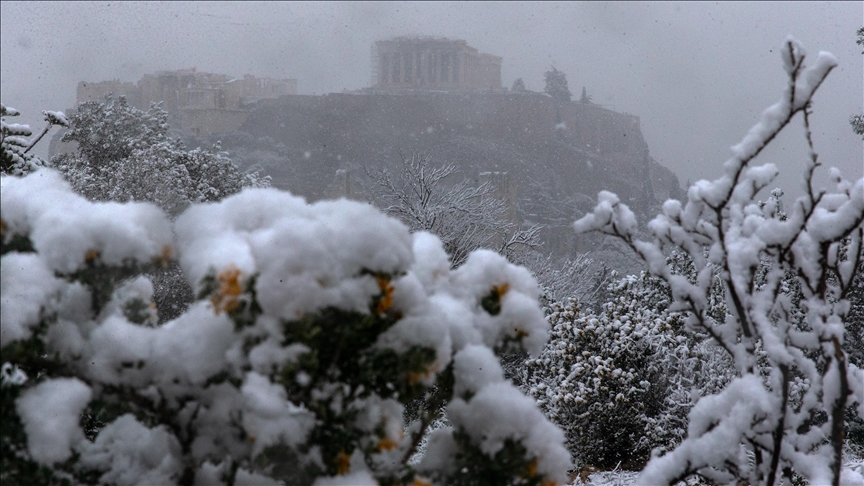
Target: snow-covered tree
x,y
853,343
15,158
857,121
125,154
620,382
556,85
784,414
464,217
580,278
314,325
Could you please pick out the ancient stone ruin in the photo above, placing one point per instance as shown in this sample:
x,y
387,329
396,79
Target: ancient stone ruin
x,y
433,63
202,103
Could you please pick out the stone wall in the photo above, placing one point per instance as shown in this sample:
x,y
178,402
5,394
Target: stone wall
x,y
584,143
204,122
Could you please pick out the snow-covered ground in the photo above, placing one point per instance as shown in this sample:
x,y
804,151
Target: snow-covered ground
x,y
607,478
854,459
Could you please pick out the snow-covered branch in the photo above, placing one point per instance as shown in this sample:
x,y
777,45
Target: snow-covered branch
x,y
464,217
784,324
14,146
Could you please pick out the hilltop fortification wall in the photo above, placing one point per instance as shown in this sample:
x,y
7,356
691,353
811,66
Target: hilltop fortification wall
x,y
557,155
579,144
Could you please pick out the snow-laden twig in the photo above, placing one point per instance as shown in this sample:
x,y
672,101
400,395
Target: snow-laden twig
x,y
757,429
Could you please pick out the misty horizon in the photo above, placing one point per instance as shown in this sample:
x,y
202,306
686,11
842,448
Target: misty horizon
x,y
697,75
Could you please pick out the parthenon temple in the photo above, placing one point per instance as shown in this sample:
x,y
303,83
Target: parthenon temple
x,y
433,63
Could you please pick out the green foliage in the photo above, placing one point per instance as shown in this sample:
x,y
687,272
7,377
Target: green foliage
x,y
32,358
338,369
16,243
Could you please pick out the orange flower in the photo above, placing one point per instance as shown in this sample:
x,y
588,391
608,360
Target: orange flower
x,y
491,303
229,289
91,255
343,463
421,481
164,257
386,301
386,444
501,289
414,378
532,473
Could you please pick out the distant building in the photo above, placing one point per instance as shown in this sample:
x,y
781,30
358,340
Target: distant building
x,y
433,63
202,103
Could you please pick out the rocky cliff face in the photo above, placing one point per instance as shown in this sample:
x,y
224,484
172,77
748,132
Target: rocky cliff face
x,y
558,155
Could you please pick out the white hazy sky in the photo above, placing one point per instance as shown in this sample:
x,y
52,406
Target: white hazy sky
x,y
698,74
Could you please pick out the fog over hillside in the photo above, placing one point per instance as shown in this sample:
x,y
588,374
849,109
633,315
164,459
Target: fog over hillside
x,y
431,243
697,74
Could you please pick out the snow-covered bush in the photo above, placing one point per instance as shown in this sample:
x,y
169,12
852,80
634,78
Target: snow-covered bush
x,y
581,278
314,326
619,382
784,414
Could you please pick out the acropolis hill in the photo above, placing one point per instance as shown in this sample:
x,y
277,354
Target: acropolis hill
x,y
443,97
